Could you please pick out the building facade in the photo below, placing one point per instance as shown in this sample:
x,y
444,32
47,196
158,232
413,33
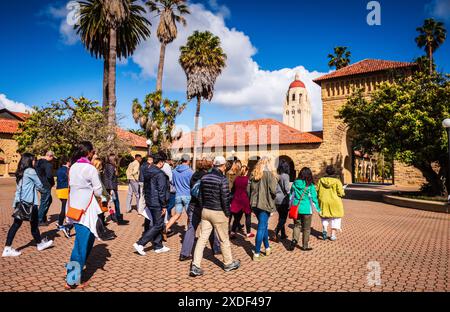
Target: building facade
x,y
249,140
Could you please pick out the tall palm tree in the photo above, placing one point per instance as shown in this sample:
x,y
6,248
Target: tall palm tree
x,y
94,33
340,58
431,36
170,12
202,59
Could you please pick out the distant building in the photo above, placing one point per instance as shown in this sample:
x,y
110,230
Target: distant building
x,y
292,141
9,125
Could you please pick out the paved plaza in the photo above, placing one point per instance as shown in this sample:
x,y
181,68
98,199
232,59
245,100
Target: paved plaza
x,y
409,249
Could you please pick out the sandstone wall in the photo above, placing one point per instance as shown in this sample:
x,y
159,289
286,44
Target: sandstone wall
x,y
8,146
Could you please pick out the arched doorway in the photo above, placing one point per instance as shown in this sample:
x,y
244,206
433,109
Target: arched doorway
x,y
290,162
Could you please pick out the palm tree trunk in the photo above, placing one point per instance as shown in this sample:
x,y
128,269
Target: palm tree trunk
x,y
430,57
112,83
196,135
105,87
162,56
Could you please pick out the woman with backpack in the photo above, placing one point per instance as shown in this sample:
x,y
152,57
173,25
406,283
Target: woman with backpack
x,y
28,185
282,198
195,214
303,202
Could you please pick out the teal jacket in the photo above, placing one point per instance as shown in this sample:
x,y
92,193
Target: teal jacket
x,y
309,197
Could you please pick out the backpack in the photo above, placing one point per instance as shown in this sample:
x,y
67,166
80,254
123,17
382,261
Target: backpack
x,y
195,191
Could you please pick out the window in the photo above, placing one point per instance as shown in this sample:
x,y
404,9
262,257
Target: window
x,y
300,98
287,112
293,97
293,112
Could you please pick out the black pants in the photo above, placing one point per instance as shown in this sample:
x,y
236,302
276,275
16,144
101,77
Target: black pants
x,y
62,214
237,221
283,211
153,234
34,222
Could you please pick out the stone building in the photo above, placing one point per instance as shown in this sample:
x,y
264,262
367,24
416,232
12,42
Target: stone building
x,y
9,125
248,140
297,107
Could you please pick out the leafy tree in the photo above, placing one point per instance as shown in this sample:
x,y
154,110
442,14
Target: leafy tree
x,y
202,59
157,119
431,36
424,64
340,58
170,13
403,121
61,125
94,34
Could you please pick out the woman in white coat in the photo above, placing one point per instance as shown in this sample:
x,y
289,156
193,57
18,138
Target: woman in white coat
x,y
84,187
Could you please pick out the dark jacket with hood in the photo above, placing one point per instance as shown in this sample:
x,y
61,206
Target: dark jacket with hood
x,y
215,192
156,188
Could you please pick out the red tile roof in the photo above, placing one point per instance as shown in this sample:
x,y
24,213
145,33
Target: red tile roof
x,y
9,126
23,116
131,138
363,67
297,84
249,133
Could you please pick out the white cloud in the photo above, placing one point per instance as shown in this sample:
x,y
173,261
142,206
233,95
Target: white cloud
x,y
243,83
66,31
12,105
439,9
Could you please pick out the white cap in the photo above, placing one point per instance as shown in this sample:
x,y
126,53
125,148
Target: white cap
x,y
219,161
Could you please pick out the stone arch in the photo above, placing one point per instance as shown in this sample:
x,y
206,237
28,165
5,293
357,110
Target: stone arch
x,y
292,171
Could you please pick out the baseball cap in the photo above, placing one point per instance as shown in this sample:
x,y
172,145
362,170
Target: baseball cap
x,y
219,161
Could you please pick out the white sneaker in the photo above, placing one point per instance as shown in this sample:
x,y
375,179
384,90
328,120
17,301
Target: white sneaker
x,y
161,250
10,252
44,244
139,249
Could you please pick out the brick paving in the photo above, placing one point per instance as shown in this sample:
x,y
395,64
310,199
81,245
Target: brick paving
x,y
411,246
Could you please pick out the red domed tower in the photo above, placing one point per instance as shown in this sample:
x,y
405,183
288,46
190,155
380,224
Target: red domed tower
x,y
297,107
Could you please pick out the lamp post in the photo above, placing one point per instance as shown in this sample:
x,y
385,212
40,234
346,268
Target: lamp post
x,y
149,144
446,124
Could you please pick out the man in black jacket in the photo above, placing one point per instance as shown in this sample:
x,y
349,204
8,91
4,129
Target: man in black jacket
x,y
214,198
156,193
44,169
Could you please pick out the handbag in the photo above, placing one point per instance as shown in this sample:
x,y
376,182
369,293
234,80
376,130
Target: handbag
x,y
76,213
23,210
293,210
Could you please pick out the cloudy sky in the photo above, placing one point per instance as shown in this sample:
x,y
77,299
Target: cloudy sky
x,y
266,43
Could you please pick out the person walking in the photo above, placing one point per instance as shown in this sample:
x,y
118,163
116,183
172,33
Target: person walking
x,y
44,169
62,192
83,210
214,200
181,180
133,181
262,200
305,198
141,206
282,198
28,185
240,204
111,183
195,215
156,192
330,192
168,170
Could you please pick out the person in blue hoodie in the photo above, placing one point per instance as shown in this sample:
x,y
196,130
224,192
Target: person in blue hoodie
x,y
181,179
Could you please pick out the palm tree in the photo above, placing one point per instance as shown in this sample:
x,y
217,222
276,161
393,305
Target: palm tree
x,y
202,59
170,12
431,36
340,58
94,33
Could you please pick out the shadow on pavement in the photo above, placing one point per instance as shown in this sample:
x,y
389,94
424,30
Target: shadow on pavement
x,y
96,260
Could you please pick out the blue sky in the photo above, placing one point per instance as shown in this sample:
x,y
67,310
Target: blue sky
x,y
266,41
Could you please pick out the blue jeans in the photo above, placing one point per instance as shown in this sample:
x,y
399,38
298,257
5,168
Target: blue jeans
x,y
116,204
182,202
262,234
46,201
84,241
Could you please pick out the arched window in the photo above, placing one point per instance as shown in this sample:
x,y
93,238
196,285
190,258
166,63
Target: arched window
x,y
293,112
300,98
287,112
293,96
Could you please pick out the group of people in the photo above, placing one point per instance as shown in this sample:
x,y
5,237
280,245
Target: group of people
x,y
215,197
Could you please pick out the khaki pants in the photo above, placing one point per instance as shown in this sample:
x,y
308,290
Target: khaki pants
x,y
219,222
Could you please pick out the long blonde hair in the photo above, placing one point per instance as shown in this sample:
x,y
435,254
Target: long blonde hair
x,y
264,164
98,164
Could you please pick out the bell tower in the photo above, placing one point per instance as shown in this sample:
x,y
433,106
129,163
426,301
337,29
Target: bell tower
x,y
297,106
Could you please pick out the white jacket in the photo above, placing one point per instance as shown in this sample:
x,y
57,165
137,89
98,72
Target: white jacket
x,y
83,181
